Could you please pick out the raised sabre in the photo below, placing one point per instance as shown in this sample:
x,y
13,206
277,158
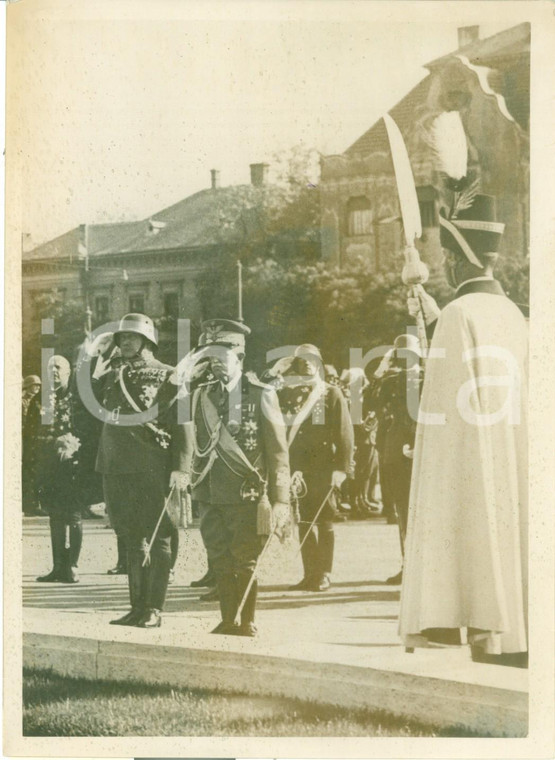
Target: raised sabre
x,y
415,272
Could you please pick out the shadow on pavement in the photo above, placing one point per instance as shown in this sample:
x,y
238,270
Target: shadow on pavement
x,y
183,598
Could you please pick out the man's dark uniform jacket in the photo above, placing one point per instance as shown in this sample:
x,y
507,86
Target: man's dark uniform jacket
x,y
319,449
157,449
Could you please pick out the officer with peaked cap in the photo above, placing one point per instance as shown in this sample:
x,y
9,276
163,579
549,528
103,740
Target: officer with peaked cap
x,y
396,428
239,471
140,461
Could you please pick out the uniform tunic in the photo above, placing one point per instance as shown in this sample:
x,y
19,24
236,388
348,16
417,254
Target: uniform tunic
x,y
251,414
136,461
324,441
396,429
60,480
466,550
318,444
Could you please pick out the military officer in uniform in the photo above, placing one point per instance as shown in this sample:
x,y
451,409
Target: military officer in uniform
x,y
321,448
239,471
139,464
396,428
60,469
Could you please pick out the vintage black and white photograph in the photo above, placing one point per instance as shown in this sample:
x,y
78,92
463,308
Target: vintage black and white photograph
x,y
268,470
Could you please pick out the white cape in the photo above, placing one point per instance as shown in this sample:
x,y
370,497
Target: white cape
x,y
466,547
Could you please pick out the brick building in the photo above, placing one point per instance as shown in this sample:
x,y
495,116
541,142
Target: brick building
x,y
488,82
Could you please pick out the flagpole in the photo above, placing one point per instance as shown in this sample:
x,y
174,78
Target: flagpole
x,y
88,310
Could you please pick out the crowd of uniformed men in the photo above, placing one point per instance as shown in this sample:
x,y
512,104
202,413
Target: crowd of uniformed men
x,y
257,456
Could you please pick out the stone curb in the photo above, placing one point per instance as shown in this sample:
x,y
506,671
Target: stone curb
x,y
442,702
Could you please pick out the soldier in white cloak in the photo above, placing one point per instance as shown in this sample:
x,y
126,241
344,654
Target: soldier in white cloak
x,y
466,547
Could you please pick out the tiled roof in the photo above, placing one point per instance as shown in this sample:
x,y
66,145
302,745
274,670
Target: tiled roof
x,y
488,52
375,139
106,237
509,44
207,218
63,246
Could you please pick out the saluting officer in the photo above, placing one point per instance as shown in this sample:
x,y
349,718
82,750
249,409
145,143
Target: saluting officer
x,y
139,464
239,472
321,447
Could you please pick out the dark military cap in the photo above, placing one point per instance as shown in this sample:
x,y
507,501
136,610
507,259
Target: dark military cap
x,y
224,332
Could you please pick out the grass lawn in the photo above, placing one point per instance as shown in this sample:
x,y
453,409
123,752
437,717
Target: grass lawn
x,y
57,706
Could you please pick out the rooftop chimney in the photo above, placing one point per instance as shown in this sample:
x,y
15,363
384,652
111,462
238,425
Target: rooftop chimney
x,y
215,178
259,174
468,34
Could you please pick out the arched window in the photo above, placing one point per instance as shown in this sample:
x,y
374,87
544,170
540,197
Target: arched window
x,y
359,216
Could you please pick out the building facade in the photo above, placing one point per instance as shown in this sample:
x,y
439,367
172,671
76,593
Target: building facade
x,y
151,266
488,83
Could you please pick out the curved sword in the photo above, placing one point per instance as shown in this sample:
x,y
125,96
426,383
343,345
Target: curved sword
x,y
415,272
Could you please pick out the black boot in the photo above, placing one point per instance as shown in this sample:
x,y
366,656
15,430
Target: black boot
x,y
157,577
247,626
58,540
136,579
227,592
208,580
121,566
326,543
309,554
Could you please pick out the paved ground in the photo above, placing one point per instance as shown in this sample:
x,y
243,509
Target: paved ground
x,y
338,647
360,609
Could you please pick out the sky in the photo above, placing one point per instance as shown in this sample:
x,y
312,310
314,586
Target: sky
x,y
121,117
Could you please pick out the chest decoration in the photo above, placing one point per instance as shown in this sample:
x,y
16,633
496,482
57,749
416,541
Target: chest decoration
x,y
293,401
245,430
59,433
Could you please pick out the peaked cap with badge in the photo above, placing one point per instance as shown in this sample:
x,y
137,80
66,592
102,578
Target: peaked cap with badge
x,y
239,467
224,332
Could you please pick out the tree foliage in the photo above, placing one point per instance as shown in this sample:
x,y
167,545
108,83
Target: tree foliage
x,y
69,319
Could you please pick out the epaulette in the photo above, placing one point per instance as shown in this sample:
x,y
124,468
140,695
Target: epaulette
x,y
254,380
205,385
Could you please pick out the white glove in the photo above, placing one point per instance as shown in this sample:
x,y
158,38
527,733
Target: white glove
x,y
191,367
384,364
282,520
338,477
102,344
420,299
180,480
408,452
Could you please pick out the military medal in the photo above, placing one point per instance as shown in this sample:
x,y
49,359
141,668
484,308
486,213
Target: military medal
x,y
251,490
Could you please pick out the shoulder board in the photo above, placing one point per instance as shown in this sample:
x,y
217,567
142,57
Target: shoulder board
x,y
253,380
205,385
